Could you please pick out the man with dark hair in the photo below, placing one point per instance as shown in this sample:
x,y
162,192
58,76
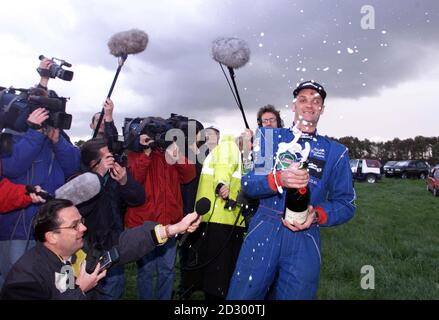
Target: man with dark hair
x,y
269,117
55,268
289,259
104,213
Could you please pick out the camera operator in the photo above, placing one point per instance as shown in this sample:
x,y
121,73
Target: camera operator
x,y
104,213
161,172
107,129
41,156
41,273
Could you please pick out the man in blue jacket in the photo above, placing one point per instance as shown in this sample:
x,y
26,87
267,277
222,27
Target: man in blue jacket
x,y
41,156
277,254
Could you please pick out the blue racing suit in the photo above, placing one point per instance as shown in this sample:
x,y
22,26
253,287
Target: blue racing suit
x,y
272,256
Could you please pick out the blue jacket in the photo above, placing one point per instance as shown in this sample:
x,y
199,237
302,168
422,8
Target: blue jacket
x,y
330,176
34,160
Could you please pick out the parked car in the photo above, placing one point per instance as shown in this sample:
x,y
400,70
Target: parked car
x,y
411,168
433,182
436,167
366,169
388,168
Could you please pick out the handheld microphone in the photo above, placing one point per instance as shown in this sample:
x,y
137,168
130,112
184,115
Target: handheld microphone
x,y
78,190
43,194
201,208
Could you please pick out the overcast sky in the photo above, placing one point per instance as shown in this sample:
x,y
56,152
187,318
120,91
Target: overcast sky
x,y
382,82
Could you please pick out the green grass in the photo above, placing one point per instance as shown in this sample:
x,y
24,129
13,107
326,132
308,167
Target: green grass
x,y
395,230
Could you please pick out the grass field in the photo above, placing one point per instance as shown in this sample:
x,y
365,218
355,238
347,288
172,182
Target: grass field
x,y
395,230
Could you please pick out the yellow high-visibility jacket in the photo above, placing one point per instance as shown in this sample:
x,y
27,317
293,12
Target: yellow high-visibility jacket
x,y
222,165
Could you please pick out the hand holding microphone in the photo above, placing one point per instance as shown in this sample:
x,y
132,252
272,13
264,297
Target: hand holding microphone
x,y
201,208
36,196
78,190
189,224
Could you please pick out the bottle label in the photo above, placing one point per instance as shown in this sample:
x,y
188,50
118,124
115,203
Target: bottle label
x,y
285,159
298,217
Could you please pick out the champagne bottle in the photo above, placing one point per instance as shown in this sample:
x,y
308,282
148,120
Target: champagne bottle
x,y
296,202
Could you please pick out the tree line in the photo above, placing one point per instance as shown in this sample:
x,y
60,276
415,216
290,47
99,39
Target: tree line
x,y
426,148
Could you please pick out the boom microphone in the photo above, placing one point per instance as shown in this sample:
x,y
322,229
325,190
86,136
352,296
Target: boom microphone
x,y
78,190
234,53
122,44
128,42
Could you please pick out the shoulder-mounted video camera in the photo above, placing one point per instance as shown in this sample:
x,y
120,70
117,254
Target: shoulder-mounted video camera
x,y
156,128
17,104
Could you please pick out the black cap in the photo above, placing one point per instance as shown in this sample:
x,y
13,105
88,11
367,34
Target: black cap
x,y
310,85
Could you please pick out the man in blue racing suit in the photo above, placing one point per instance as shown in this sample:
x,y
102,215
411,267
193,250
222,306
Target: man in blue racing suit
x,y
277,255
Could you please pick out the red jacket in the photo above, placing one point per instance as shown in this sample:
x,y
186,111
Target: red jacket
x,y
162,188
12,196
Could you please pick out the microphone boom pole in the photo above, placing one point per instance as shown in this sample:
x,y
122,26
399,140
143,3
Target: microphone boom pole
x,y
233,53
101,116
232,75
121,45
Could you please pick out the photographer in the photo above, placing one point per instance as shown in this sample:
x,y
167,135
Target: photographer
x,y
44,271
41,156
161,172
104,213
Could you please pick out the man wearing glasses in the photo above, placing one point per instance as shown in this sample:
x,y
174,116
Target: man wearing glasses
x,y
269,117
281,256
43,271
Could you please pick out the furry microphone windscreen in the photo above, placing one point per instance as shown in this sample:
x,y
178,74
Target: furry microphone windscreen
x,y
128,42
80,189
232,52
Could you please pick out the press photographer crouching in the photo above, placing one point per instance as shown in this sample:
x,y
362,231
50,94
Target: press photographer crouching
x,y
104,213
55,268
35,152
